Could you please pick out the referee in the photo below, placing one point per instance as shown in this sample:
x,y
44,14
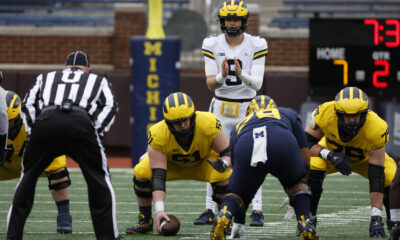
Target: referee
x,y
67,112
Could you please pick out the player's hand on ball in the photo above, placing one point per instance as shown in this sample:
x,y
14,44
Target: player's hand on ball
x,y
171,227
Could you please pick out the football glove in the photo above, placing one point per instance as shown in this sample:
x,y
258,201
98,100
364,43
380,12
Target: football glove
x,y
340,161
376,228
219,164
290,211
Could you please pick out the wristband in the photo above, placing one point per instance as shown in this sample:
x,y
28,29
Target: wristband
x,y
219,78
159,206
246,78
376,211
324,153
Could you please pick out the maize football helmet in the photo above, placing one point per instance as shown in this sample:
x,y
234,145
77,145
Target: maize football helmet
x,y
233,9
350,101
13,110
177,108
260,102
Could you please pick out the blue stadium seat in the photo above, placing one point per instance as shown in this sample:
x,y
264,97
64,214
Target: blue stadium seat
x,y
297,12
306,109
391,113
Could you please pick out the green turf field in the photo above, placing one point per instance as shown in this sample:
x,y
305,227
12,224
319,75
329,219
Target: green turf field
x,y
344,211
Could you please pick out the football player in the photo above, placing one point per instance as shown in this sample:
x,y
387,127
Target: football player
x,y
286,156
395,206
56,172
234,68
345,136
179,148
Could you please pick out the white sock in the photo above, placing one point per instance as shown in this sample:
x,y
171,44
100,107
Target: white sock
x,y
257,200
210,204
395,215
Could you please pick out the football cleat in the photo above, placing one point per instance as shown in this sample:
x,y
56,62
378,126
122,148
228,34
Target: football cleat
x,y
64,224
395,231
219,230
206,218
237,231
257,218
313,221
306,229
144,226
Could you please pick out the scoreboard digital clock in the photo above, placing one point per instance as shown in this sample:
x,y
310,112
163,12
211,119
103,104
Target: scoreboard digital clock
x,y
355,52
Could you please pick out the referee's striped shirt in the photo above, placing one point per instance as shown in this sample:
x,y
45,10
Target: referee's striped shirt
x,y
86,90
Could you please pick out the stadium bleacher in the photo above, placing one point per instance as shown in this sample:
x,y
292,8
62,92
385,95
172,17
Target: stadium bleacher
x,y
296,13
97,13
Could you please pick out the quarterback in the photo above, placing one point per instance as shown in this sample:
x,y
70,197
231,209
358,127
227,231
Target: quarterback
x,y
56,172
234,68
179,148
345,136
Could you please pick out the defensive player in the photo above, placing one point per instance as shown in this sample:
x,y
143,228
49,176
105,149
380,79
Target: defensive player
x,y
268,140
234,67
179,148
345,136
56,172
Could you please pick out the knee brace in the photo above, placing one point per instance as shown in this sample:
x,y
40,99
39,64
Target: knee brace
x,y
56,176
142,184
218,190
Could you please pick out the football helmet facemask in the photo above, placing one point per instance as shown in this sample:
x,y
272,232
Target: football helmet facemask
x,y
177,108
233,9
350,101
260,102
13,110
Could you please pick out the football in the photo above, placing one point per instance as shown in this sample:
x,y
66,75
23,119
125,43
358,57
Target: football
x,y
170,228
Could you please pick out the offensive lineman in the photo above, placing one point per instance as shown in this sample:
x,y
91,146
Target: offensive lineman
x,y
268,140
234,67
56,172
179,148
345,136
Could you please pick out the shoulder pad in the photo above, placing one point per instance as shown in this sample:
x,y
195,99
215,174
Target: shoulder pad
x,y
209,42
258,42
376,129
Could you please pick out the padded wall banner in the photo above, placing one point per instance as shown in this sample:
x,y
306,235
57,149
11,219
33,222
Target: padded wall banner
x,y
155,75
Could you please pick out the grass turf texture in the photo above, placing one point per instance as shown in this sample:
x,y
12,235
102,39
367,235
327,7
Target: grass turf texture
x,y
344,211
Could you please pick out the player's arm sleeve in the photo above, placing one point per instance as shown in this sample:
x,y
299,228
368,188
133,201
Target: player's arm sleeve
x,y
30,106
106,116
255,78
3,113
210,67
210,64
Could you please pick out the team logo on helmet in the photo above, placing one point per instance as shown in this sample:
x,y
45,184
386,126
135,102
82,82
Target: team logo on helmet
x,y
233,9
177,108
13,110
351,102
260,102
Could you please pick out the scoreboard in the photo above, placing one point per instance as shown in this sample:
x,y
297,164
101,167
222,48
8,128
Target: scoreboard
x,y
355,52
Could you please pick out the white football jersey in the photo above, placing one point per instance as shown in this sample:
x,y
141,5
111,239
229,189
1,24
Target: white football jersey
x,y
216,48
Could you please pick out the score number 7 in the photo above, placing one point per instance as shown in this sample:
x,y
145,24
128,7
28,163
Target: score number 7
x,y
345,70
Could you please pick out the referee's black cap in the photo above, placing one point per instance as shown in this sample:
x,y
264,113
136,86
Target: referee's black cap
x,y
78,58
